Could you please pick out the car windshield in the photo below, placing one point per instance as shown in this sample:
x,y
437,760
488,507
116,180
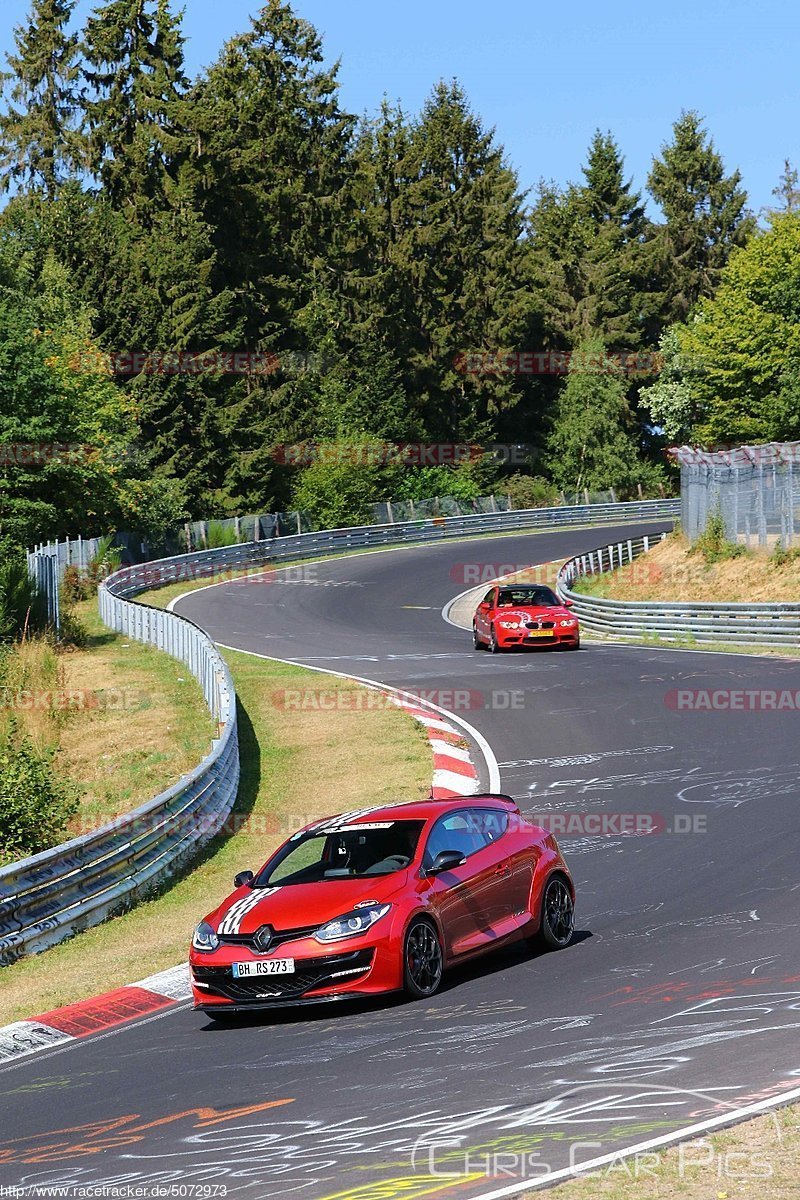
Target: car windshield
x,y
527,597
343,852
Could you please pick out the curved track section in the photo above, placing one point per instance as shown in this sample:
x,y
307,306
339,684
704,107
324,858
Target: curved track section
x,y
677,1002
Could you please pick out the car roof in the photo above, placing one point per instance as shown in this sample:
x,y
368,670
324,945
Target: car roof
x,y
416,810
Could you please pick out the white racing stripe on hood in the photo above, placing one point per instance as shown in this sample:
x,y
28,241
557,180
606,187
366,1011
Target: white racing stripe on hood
x,y
232,921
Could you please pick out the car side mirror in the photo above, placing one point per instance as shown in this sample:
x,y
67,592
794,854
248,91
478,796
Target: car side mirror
x,y
568,603
243,879
446,860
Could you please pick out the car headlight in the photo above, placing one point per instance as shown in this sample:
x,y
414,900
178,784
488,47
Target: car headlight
x,y
570,623
352,924
204,938
508,624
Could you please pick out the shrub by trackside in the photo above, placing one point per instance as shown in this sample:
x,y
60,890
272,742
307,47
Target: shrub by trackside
x,y
35,805
713,544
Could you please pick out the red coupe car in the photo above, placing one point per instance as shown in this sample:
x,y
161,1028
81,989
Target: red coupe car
x,y
524,615
382,900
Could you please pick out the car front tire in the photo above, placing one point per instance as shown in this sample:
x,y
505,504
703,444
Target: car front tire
x,y
494,645
423,960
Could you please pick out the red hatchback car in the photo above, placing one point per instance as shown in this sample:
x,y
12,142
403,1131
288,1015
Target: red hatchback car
x,y
382,900
524,615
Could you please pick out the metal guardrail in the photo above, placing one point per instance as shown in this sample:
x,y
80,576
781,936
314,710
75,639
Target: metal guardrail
x,y
212,563
60,892
63,891
702,621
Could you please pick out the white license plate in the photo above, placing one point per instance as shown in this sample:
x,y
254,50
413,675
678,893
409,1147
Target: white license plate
x,y
544,633
271,966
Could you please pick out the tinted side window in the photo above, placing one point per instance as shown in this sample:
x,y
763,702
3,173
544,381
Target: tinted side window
x,y
489,597
491,823
454,831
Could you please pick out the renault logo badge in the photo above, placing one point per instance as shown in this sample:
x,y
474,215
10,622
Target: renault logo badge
x,y
263,938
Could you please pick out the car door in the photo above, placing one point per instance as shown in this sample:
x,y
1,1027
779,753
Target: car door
x,y
511,869
484,612
459,896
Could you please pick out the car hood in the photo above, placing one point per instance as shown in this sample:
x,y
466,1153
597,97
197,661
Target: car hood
x,y
299,905
533,612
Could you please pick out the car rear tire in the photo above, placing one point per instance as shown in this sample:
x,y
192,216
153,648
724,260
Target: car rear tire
x,y
423,961
558,915
476,641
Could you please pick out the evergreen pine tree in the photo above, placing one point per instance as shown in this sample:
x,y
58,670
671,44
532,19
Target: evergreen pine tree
x,y
593,442
272,148
460,262
378,303
135,71
705,213
788,189
271,152
595,256
36,130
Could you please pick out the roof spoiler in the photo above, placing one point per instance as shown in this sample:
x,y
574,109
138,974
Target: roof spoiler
x,y
495,796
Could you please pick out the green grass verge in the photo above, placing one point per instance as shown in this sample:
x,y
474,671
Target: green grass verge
x,y
150,725
296,766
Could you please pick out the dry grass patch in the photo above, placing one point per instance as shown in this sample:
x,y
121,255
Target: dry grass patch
x,y
29,672
142,725
671,572
758,1158
122,721
296,765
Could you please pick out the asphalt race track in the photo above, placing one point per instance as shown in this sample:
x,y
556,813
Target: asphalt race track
x,y
679,999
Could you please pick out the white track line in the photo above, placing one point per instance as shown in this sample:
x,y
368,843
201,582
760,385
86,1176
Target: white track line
x,y
668,1139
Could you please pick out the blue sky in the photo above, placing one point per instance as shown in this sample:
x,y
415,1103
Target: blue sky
x,y
547,74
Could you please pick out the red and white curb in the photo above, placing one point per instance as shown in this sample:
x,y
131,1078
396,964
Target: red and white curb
x,y
96,1015
454,773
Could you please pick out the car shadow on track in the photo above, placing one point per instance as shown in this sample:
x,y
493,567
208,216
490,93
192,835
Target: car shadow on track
x,y
505,958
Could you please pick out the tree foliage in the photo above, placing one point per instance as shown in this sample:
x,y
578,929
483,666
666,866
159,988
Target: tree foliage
x,y
705,213
737,362
37,142
593,442
388,270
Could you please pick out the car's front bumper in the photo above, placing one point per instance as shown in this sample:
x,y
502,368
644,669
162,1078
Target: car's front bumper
x,y
521,637
336,971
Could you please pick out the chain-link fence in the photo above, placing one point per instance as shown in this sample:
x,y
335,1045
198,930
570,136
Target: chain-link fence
x,y
755,489
234,531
